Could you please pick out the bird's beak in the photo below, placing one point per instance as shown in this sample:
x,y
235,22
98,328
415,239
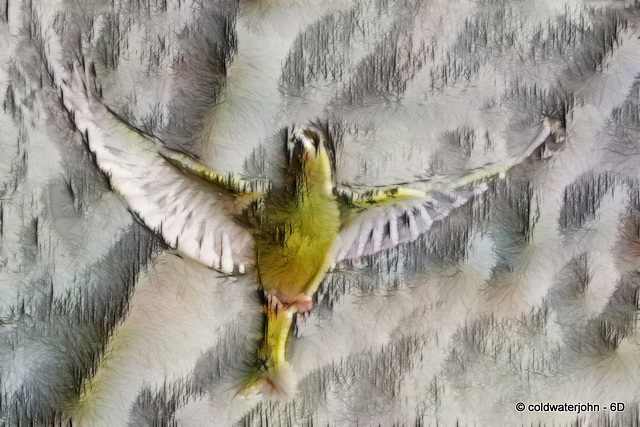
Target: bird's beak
x,y
291,144
308,149
301,145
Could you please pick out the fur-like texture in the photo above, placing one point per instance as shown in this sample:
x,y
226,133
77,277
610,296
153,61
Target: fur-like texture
x,y
530,294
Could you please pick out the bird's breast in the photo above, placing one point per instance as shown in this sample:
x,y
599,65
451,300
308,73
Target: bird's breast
x,y
293,248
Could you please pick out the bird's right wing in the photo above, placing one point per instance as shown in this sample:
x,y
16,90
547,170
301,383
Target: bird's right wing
x,y
194,209
381,218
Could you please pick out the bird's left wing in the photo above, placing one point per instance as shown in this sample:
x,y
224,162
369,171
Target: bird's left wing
x,y
382,218
195,210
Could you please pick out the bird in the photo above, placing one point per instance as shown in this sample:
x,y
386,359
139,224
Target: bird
x,y
289,234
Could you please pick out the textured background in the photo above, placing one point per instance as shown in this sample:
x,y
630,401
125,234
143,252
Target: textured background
x,y
530,294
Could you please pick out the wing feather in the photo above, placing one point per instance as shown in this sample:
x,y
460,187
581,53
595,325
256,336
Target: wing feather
x,y
194,216
384,226
383,217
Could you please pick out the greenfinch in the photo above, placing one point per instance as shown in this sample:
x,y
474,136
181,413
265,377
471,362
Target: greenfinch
x,y
288,233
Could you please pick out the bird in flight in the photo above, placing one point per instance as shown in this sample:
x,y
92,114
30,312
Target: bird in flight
x,y
289,234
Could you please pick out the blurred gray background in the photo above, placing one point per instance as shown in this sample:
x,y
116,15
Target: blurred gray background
x,y
530,294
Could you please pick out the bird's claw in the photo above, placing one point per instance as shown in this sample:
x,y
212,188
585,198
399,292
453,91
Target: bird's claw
x,y
303,316
303,303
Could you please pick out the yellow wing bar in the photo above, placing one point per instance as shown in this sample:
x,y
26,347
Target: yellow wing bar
x,y
379,195
421,188
232,182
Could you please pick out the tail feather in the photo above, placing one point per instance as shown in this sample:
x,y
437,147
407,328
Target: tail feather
x,y
271,373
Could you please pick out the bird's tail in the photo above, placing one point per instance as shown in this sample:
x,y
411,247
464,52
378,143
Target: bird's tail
x,y
270,372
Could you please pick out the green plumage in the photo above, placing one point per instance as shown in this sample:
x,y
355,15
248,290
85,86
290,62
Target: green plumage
x,y
295,242
299,224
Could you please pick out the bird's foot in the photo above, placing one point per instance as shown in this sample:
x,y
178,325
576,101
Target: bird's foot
x,y
302,316
302,303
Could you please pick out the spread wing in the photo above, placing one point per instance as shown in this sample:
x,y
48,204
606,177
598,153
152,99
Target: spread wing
x,y
382,218
398,218
190,206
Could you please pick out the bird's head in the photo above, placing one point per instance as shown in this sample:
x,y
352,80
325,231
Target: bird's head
x,y
311,158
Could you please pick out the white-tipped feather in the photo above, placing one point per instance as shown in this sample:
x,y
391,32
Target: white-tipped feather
x,y
393,227
208,253
425,217
413,227
378,231
226,261
365,232
163,197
